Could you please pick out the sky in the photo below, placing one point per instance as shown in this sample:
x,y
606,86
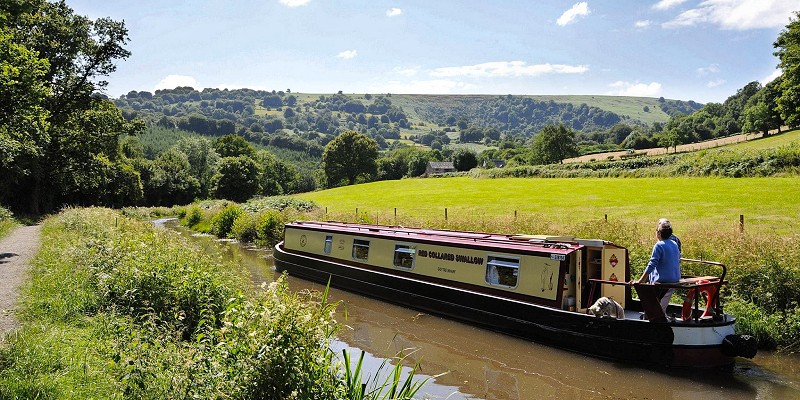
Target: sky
x,y
701,50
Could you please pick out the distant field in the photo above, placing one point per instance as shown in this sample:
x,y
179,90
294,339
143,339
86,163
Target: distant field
x,y
769,142
768,204
744,141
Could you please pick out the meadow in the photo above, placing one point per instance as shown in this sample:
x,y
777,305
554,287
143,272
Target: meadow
x,y
768,205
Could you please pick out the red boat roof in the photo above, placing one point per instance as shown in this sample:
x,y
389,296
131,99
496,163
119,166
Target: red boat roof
x,y
539,243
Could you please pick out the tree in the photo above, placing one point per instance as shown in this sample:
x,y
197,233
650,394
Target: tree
x,y
234,145
171,181
788,52
202,159
348,157
464,160
553,144
236,179
55,60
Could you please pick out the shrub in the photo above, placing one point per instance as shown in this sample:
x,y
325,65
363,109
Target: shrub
x,y
222,223
244,228
269,228
192,217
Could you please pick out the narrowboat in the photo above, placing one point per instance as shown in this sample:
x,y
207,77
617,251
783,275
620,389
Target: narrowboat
x,y
535,287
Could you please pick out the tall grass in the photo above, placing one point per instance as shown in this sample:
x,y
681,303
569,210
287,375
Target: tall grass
x,y
7,221
118,309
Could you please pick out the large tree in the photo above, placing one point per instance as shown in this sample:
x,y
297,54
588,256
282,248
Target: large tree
x,y
348,157
553,144
788,51
53,67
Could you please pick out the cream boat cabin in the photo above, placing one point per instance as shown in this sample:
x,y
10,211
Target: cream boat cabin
x,y
536,287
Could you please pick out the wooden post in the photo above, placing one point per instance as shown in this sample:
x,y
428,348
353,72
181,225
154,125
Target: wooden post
x,y
515,214
326,210
356,212
445,213
741,223
606,217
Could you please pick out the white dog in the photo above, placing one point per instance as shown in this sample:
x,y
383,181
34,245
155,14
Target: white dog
x,y
606,307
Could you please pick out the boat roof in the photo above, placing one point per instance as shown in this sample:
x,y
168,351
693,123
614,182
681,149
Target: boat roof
x,y
513,242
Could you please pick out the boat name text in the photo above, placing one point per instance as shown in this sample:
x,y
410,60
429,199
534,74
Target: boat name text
x,y
451,257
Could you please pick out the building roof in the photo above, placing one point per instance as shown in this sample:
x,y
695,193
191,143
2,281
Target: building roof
x,y
441,164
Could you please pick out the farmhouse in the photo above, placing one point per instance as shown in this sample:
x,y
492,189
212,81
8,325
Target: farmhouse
x,y
439,167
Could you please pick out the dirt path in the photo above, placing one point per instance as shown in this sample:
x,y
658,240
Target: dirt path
x,y
660,150
16,251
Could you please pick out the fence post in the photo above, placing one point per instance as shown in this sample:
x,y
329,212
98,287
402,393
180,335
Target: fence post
x,y
356,212
515,214
741,223
605,217
445,213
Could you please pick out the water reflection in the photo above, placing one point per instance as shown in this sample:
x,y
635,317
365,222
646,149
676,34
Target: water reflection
x,y
486,365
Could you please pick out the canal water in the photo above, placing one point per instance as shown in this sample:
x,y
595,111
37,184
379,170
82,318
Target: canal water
x,y
481,364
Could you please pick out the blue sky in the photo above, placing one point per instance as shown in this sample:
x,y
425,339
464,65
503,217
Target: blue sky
x,y
701,50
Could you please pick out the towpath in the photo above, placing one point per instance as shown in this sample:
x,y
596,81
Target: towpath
x,y
16,251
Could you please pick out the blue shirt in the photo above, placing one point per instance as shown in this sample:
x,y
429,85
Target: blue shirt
x,y
664,265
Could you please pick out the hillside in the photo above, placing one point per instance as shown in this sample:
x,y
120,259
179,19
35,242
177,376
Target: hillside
x,y
306,122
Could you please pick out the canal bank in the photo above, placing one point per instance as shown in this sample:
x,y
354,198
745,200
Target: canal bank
x,y
488,365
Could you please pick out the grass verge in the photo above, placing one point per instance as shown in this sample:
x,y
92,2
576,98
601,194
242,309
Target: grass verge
x,y
116,309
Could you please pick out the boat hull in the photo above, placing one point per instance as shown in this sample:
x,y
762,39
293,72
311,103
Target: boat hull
x,y
625,340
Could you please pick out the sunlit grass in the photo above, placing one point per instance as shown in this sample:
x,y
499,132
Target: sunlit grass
x,y
768,204
769,142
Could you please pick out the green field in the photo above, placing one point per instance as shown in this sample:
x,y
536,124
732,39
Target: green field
x,y
769,142
769,205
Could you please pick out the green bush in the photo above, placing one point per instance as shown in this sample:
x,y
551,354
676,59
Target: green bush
x,y
222,223
244,228
269,228
192,217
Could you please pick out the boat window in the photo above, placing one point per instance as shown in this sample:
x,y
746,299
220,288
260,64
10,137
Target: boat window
x,y
360,249
502,271
328,243
404,255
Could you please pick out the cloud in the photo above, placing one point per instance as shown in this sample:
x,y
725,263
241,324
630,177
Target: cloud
x,y
406,71
637,89
347,54
393,12
774,75
508,68
711,69
642,24
431,86
294,3
569,16
737,14
173,81
667,4
715,83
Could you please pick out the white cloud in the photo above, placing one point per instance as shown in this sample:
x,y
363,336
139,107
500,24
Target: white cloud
x,y
774,75
508,68
569,16
637,89
294,3
393,12
347,54
711,69
432,86
642,24
173,81
406,71
667,4
737,14
715,83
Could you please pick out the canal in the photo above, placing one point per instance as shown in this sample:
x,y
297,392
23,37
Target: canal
x,y
481,364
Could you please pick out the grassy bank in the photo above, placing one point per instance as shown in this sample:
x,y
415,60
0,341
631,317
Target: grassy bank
x,y
7,222
118,309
